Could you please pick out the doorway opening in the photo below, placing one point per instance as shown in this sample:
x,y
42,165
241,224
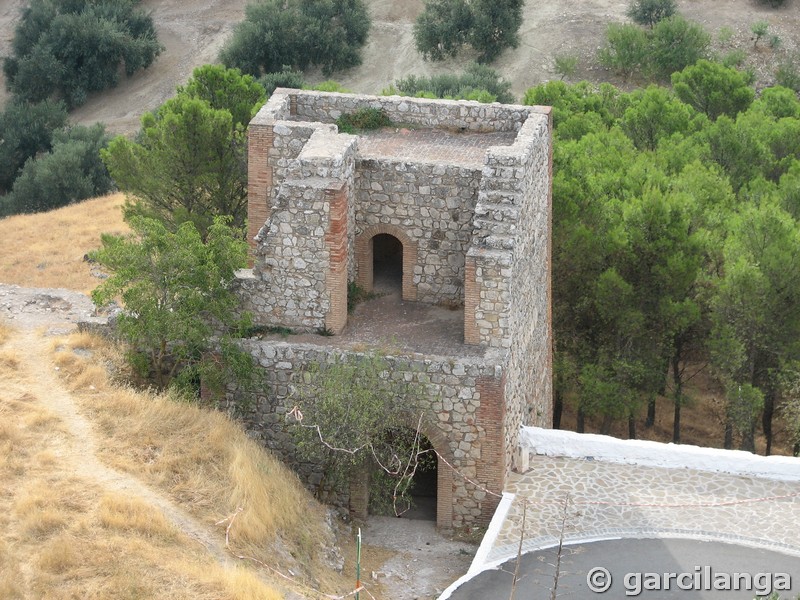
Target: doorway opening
x,y
411,490
387,264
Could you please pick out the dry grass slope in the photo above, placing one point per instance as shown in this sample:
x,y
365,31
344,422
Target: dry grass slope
x,y
47,249
64,536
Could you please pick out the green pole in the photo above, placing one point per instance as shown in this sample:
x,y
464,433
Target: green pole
x,y
358,562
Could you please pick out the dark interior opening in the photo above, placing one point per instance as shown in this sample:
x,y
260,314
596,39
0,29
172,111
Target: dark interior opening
x,y
425,484
387,263
420,500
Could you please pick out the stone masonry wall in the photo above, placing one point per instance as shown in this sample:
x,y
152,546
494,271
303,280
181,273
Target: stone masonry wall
x,y
529,368
300,281
433,204
326,107
463,418
507,300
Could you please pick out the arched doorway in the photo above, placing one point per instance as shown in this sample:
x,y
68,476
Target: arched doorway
x,y
387,264
411,490
388,252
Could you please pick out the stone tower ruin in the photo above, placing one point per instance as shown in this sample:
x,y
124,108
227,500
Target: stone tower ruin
x,y
458,195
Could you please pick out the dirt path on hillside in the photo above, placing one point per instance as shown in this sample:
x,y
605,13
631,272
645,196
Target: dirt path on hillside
x,y
78,448
193,31
408,558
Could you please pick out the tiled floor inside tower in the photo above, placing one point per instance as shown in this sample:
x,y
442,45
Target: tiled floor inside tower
x,y
394,326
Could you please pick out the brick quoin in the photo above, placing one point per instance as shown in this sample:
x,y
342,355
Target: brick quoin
x,y
259,182
336,242
491,469
471,299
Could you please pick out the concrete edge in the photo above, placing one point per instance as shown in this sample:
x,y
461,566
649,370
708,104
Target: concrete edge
x,y
661,534
478,568
478,562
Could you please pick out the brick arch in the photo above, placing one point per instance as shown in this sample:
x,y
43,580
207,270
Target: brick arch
x,y
364,258
445,477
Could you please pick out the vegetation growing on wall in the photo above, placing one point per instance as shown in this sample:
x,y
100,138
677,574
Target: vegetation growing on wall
x,y
349,417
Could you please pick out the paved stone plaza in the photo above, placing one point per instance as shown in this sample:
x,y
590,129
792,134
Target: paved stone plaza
x,y
608,500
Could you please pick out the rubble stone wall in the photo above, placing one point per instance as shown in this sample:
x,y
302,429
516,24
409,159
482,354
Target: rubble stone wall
x,y
326,107
462,408
433,205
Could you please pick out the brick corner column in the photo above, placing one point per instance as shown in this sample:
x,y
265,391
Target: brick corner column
x,y
471,300
336,241
491,470
359,495
259,182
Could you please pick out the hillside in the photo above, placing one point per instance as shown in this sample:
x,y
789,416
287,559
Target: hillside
x,y
105,485
109,492
193,32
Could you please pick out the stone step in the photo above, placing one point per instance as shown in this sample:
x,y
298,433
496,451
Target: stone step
x,y
493,227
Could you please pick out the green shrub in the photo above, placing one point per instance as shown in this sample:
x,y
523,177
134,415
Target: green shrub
x,y
760,30
734,58
285,78
675,44
330,86
70,172
473,84
788,73
566,65
298,33
626,49
71,49
725,34
363,119
650,12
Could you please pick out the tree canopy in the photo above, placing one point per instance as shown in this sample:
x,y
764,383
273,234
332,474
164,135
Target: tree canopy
x,y
26,130
71,171
188,162
676,235
298,33
177,299
487,26
67,50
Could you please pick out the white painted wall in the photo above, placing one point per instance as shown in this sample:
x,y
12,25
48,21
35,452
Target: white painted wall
x,y
551,442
